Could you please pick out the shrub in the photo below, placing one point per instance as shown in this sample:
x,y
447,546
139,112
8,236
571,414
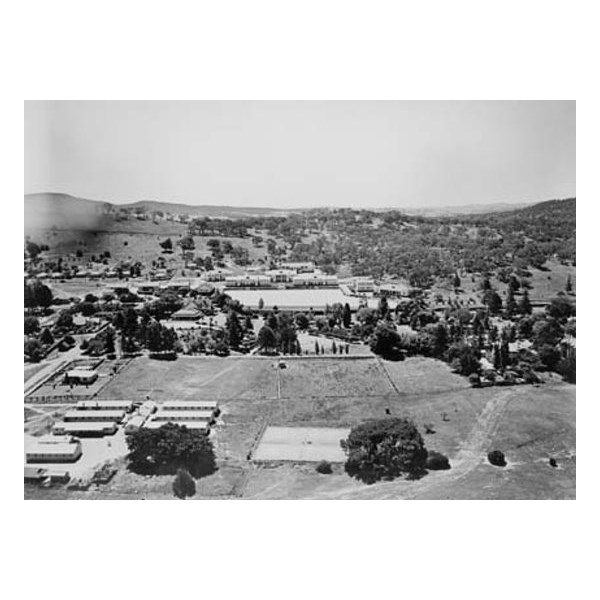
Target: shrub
x,y
183,484
496,458
324,467
553,462
436,461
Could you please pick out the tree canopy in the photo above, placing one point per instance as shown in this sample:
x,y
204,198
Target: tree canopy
x,y
171,447
384,449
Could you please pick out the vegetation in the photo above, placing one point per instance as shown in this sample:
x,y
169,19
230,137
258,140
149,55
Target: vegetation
x,y
497,458
384,449
169,448
184,485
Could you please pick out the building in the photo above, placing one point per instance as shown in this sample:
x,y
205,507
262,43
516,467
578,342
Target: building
x,y
59,452
191,405
147,408
217,275
81,376
40,474
135,423
94,416
394,289
118,405
187,313
184,415
314,280
247,281
201,426
82,428
360,285
148,288
280,275
299,267
179,285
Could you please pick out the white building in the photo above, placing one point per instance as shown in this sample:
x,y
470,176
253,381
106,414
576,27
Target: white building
x,y
280,275
247,281
83,428
81,376
43,451
314,280
299,267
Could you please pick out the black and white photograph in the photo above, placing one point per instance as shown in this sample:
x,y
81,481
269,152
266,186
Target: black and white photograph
x,y
300,300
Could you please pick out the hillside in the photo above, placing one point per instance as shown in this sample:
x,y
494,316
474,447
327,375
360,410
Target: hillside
x,y
215,212
43,211
62,211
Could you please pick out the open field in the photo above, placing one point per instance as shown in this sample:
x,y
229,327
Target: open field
x,y
528,423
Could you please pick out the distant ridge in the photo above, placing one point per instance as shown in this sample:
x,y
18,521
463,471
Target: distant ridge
x,y
63,211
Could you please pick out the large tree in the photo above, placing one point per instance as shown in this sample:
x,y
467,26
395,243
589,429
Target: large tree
x,y
267,340
386,342
171,447
384,449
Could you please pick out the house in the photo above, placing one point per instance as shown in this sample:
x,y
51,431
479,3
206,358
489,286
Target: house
x,y
187,313
361,284
81,376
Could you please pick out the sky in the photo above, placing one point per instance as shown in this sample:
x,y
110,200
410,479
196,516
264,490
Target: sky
x,y
361,154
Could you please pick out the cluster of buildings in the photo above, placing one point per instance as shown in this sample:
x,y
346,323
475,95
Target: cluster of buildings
x,y
93,418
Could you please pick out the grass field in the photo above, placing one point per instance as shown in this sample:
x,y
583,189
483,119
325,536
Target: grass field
x,y
528,423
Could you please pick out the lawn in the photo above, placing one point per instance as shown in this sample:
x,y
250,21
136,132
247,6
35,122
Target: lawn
x,y
528,423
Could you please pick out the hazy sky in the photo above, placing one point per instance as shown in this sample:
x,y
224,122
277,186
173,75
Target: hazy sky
x,y
299,154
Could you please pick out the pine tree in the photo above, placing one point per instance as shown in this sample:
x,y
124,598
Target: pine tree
x,y
569,286
525,304
511,305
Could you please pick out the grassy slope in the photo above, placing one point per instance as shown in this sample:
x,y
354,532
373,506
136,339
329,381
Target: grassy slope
x,y
528,423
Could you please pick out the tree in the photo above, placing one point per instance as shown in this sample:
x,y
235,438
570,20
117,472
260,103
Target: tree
x,y
31,325
169,448
561,308
33,349
109,340
167,245
347,316
464,358
511,306
187,243
32,249
261,304
234,330
384,449
266,339
65,319
47,338
456,281
386,342
525,307
493,301
301,321
569,285
183,484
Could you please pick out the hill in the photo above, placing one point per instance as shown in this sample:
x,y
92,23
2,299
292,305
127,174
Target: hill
x,y
62,211
216,212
